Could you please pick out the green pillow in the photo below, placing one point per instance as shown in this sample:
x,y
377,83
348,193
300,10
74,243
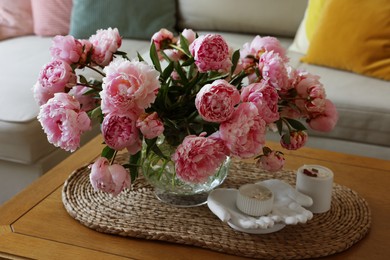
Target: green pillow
x,y
137,19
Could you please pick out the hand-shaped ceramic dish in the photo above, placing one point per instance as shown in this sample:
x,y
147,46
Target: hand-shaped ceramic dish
x,y
287,209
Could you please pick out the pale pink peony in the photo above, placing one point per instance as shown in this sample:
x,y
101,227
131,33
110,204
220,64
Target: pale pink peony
x,y
244,132
66,48
297,139
211,53
128,86
56,76
272,161
105,43
189,34
150,125
120,131
265,97
325,121
250,53
87,102
162,39
63,121
215,102
198,157
273,69
109,178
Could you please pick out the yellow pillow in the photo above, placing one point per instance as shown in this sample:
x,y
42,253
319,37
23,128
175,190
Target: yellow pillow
x,y
307,27
353,35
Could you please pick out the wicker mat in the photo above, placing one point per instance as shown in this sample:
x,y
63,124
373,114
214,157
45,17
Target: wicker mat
x,y
137,213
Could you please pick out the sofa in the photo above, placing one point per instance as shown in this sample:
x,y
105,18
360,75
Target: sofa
x,y
27,28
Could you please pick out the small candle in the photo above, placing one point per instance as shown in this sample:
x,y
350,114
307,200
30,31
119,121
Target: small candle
x,y
254,199
316,182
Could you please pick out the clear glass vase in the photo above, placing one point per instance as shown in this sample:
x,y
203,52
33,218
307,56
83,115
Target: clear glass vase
x,y
168,188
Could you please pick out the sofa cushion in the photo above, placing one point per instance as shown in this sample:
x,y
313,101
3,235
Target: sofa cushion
x,y
353,35
15,18
362,103
134,18
247,16
51,17
307,27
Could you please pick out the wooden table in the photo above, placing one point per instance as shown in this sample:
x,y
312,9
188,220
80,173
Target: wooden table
x,y
34,224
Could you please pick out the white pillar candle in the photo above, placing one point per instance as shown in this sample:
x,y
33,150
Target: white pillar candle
x,y
316,182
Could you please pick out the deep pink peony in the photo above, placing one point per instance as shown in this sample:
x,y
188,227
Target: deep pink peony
x,y
198,157
109,178
297,139
244,132
128,85
215,102
105,43
211,53
120,132
66,48
325,121
265,97
54,77
272,161
273,69
150,125
87,102
63,121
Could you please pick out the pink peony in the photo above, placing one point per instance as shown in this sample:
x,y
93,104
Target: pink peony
x,y
87,102
105,43
265,97
297,139
66,48
272,161
128,85
198,157
325,121
86,54
120,131
273,70
150,125
211,53
250,52
162,39
63,121
54,77
189,34
109,178
244,132
215,102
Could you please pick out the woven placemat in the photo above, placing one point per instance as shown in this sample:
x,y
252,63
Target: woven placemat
x,y
137,213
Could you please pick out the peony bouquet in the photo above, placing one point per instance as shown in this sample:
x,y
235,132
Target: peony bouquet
x,y
203,98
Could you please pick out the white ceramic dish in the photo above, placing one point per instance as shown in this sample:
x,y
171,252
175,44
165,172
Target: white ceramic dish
x,y
287,209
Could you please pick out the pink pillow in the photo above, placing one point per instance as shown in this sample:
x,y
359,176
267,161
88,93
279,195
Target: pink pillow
x,y
51,17
15,18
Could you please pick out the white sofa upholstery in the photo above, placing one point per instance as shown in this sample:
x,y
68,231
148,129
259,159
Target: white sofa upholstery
x,y
362,102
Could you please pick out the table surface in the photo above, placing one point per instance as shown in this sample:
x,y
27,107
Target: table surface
x,y
34,223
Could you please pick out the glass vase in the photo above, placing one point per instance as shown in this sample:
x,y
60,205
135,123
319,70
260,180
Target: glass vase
x,y
160,173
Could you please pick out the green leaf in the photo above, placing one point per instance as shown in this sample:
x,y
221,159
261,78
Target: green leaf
x,y
154,57
184,45
181,73
188,62
140,58
279,125
134,164
167,72
235,58
83,79
108,152
297,125
151,145
286,138
97,112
